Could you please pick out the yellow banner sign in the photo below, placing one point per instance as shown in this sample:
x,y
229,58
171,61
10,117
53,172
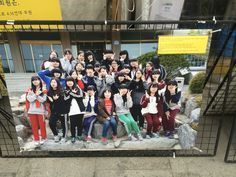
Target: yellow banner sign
x,y
29,10
182,44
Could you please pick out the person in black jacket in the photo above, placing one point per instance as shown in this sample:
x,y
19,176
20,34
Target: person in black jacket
x,y
74,98
59,109
171,108
89,58
119,79
138,87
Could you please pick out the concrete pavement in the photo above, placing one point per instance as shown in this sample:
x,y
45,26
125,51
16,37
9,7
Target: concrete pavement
x,y
117,167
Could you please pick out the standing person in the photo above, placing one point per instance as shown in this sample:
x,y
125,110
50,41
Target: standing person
x,y
171,108
55,73
80,57
126,70
80,69
108,57
104,80
89,78
67,61
148,72
138,87
90,116
35,107
96,69
119,79
150,110
59,109
123,103
77,78
46,63
74,98
90,58
114,69
124,58
156,77
134,65
156,62
106,115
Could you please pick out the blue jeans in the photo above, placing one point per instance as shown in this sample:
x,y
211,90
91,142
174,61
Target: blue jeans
x,y
107,124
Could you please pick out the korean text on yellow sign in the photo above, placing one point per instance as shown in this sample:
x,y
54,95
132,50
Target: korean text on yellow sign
x,y
182,44
29,10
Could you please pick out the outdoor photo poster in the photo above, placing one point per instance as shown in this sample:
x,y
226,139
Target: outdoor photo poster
x,y
159,109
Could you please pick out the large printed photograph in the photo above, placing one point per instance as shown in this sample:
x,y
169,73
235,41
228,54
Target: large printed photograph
x,y
125,101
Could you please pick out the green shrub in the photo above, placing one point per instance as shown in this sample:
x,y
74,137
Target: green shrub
x,y
196,83
172,63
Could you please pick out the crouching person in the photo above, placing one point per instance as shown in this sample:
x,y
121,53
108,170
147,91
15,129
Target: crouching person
x,y
106,115
123,103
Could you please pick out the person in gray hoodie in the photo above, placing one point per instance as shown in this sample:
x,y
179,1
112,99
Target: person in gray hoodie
x,y
104,80
123,103
35,99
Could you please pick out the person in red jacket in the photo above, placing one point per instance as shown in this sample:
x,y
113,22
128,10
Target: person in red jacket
x,y
35,107
150,110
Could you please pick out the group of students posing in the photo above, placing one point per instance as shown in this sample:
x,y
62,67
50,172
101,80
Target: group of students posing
x,y
84,91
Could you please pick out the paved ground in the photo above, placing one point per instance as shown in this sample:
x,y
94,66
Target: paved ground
x,y
120,167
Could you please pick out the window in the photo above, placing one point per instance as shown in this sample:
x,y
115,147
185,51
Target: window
x,y
35,54
139,48
7,61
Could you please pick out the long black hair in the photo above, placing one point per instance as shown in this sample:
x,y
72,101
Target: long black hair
x,y
33,86
68,51
156,71
69,78
103,92
153,84
137,85
125,52
136,72
58,61
124,97
52,51
167,92
58,91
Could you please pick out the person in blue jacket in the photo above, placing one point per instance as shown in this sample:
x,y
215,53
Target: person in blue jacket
x,y
56,73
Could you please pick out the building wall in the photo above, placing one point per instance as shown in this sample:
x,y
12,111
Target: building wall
x,y
83,9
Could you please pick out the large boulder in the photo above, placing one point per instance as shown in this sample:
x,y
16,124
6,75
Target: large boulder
x,y
195,115
23,131
190,105
187,136
97,131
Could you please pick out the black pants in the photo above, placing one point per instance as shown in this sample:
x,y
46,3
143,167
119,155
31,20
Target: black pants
x,y
137,115
76,121
53,123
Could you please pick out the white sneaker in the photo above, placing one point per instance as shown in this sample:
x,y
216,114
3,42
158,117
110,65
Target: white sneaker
x,y
63,140
148,137
42,141
56,139
36,143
